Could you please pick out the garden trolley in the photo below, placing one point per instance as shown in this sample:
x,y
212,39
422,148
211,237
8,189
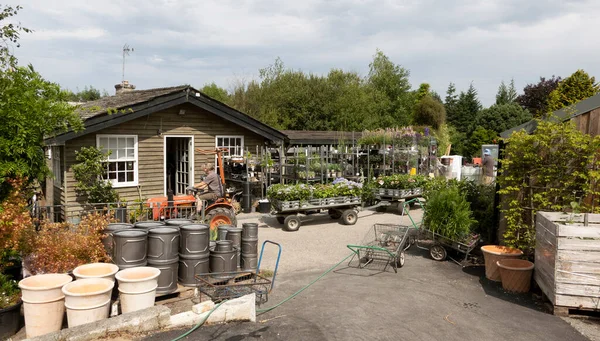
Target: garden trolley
x,y
438,250
288,213
385,243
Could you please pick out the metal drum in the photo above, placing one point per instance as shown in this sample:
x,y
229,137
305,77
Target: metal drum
x,y
250,246
235,235
223,245
109,230
222,231
163,245
249,231
189,266
249,262
178,222
194,240
167,280
130,247
147,225
223,261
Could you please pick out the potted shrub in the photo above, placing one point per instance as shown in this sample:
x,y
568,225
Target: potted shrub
x,y
10,307
449,214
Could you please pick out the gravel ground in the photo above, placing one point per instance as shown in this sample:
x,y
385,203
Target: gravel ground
x,y
320,242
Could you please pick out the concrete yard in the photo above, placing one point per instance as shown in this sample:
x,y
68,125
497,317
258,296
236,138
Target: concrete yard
x,y
425,300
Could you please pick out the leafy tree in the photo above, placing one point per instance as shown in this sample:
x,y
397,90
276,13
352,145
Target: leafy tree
x,y
479,137
89,173
88,94
212,90
501,117
506,94
9,36
467,107
535,96
572,89
458,140
423,91
429,112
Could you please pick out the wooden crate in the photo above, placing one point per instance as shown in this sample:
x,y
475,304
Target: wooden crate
x,y
567,260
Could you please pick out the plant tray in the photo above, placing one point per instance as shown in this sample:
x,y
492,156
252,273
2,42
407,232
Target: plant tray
x,y
398,193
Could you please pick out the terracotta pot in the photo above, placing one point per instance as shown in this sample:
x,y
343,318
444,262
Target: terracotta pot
x,y
515,274
494,253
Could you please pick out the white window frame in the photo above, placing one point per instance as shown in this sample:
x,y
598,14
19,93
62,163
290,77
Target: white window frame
x,y
56,166
241,137
115,182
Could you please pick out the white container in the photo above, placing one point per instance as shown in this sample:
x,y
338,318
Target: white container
x,y
43,303
87,300
137,288
96,270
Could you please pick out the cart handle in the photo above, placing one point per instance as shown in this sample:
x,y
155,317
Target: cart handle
x,y
356,248
406,205
276,264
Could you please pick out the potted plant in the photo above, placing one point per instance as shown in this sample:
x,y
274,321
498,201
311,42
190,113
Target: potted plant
x,y
449,214
10,307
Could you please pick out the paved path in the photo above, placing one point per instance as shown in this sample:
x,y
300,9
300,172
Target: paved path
x,y
425,300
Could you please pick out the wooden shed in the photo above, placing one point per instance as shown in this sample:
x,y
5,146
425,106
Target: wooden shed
x,y
152,135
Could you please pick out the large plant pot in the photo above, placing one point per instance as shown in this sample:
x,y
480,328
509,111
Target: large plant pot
x,y
43,302
492,254
137,288
96,270
515,274
87,300
10,319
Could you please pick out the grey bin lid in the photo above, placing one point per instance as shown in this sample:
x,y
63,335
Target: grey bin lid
x,y
117,226
164,230
179,221
194,227
225,227
147,224
235,229
131,233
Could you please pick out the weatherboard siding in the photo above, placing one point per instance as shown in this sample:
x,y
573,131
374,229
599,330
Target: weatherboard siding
x,y
203,125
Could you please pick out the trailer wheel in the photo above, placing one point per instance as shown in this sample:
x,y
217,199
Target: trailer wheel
x,y
349,217
291,223
400,259
334,214
280,219
437,252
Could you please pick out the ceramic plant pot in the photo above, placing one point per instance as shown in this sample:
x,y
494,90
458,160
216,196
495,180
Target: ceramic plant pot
x,y
492,254
515,274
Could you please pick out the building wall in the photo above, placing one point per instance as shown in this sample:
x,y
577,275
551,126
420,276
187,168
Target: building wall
x,y
151,129
588,122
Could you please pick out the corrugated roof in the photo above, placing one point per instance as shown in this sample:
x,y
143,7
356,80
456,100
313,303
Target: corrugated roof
x,y
126,99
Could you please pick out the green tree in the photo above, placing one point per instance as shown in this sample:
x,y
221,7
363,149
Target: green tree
x,y
572,89
9,36
501,117
214,91
458,140
506,94
88,94
467,107
479,137
450,102
423,91
429,112
89,172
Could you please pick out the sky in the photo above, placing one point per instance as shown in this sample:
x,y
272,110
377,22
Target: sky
x,y
78,43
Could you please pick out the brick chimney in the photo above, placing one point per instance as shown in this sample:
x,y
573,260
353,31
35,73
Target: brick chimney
x,y
124,87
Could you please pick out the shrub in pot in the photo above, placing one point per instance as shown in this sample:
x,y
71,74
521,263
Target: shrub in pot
x,y
10,307
449,214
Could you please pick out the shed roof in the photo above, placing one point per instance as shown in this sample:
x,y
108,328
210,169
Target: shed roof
x,y
563,114
113,110
314,137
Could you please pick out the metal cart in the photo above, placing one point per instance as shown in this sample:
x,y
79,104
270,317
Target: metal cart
x,y
384,243
344,208
438,250
228,285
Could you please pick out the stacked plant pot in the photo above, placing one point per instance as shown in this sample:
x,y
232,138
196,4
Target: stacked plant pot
x,y
163,254
249,252
194,252
147,225
130,247
223,259
110,229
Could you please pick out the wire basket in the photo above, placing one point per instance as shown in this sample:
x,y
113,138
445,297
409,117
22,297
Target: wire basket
x,y
229,285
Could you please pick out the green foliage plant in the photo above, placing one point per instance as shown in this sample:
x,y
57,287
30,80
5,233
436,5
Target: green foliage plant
x,y
9,291
449,214
89,173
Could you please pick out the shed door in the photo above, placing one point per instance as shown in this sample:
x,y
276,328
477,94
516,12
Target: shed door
x,y
180,164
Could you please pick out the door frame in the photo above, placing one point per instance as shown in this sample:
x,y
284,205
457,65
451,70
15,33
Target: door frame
x,y
191,156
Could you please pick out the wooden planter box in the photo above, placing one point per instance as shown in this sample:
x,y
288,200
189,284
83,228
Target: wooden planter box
x,y
567,260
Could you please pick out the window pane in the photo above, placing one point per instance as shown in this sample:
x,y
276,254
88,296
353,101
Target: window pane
x,y
130,165
112,175
121,177
112,166
104,143
121,154
121,166
219,142
122,142
129,176
130,141
238,141
112,155
112,143
130,153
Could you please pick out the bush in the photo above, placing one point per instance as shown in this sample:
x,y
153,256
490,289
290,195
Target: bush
x,y
9,291
89,173
16,224
449,214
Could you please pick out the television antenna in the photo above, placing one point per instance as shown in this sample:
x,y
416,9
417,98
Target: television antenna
x,y
126,50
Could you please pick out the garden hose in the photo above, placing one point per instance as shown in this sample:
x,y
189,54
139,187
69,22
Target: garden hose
x,y
262,311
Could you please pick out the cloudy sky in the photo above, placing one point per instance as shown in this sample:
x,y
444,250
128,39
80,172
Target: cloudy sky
x,y
79,42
